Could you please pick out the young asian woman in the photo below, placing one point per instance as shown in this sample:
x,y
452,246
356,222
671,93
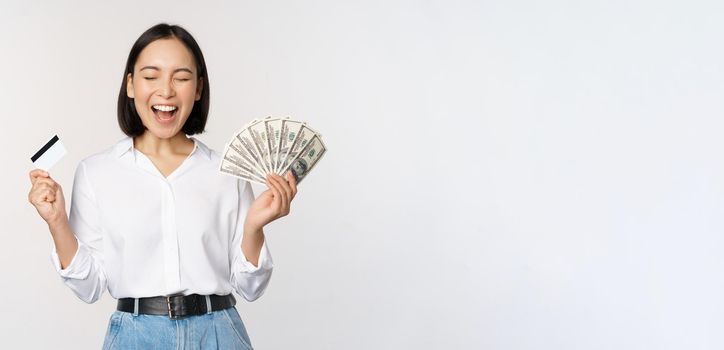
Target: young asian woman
x,y
154,222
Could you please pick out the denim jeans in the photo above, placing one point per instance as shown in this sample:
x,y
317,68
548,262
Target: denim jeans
x,y
221,329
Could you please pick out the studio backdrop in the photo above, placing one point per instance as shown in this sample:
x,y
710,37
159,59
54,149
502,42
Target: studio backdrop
x,y
499,174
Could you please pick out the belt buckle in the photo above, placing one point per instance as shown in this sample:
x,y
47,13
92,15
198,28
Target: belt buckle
x,y
171,315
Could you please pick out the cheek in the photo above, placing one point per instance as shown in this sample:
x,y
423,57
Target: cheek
x,y
142,91
140,105
187,91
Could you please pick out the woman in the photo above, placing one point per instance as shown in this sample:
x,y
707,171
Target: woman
x,y
153,220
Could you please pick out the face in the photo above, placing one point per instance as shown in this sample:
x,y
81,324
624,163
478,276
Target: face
x,y
164,86
299,167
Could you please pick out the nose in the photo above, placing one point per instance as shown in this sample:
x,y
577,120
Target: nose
x,y
166,89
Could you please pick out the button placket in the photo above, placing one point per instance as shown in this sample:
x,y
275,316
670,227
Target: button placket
x,y
170,238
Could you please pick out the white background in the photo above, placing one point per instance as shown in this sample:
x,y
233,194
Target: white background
x,y
500,174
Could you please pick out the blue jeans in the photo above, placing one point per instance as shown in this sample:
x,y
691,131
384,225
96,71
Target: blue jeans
x,y
221,329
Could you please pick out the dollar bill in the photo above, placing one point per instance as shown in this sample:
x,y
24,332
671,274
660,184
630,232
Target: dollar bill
x,y
274,132
261,142
284,138
290,130
231,155
236,152
307,159
232,169
304,135
247,145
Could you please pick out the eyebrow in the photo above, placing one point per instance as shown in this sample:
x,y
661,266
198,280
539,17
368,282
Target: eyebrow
x,y
176,70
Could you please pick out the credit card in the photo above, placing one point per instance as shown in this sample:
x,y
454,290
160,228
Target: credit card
x,y
49,154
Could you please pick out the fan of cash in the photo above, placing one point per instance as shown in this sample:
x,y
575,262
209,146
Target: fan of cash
x,y
272,145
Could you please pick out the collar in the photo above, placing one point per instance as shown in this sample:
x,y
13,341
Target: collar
x,y
126,144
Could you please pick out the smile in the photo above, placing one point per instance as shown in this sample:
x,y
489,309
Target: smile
x,y
164,113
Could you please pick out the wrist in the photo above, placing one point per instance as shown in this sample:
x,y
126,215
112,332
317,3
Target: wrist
x,y
58,223
252,229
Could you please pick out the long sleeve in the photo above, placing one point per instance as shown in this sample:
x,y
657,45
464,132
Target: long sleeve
x,y
248,280
84,275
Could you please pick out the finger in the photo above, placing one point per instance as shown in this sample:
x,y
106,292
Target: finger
x,y
44,183
287,191
282,195
50,182
273,179
40,187
42,196
44,193
36,173
292,183
285,185
277,198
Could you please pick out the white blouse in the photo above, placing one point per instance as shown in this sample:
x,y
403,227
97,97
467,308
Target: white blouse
x,y
142,235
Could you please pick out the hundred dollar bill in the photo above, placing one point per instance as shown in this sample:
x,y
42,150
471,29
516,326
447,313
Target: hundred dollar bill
x,y
261,142
233,156
289,131
237,152
304,135
283,139
247,144
231,169
308,158
273,131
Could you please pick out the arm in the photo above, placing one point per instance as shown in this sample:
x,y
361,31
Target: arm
x,y
66,244
77,252
47,197
251,244
251,262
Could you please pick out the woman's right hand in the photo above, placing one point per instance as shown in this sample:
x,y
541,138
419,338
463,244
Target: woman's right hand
x,y
47,196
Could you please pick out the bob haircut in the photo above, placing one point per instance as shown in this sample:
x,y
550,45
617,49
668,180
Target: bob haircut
x,y
128,118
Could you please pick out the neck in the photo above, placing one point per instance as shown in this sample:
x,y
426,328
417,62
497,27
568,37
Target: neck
x,y
150,144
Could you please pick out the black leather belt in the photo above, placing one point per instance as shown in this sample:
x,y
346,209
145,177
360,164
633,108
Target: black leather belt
x,y
176,306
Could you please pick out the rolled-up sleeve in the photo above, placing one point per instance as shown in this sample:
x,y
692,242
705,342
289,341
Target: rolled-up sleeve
x,y
248,280
84,275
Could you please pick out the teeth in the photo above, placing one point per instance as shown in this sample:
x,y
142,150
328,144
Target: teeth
x,y
164,108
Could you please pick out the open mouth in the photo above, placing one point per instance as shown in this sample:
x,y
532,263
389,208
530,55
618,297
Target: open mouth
x,y
164,113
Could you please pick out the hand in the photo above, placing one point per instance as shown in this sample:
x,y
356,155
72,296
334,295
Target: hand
x,y
272,203
47,196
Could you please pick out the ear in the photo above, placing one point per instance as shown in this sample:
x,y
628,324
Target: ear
x,y
199,88
129,86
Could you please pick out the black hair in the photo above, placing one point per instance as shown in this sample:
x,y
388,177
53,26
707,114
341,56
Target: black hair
x,y
128,118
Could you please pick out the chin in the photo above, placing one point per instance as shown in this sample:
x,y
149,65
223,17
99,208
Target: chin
x,y
162,133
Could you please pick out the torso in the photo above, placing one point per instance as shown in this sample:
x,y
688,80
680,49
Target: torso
x,y
166,165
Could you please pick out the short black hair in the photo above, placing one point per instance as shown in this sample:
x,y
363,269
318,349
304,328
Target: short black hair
x,y
128,118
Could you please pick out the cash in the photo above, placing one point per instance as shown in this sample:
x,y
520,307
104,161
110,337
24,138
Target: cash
x,y
272,145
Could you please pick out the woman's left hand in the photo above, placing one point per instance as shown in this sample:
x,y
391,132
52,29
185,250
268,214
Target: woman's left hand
x,y
272,203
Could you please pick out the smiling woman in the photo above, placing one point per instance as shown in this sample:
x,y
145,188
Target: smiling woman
x,y
173,66
154,222
177,86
